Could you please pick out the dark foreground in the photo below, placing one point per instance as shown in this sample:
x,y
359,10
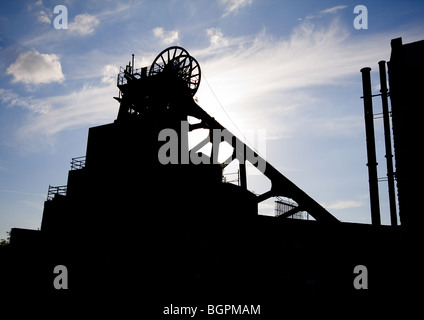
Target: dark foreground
x,y
279,265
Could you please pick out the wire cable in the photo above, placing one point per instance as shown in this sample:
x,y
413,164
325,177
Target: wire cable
x,y
228,116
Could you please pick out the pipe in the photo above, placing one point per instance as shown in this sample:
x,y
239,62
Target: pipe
x,y
370,137
388,143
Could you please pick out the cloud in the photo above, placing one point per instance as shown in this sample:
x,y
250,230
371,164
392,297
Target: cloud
x,y
43,16
343,204
42,13
87,106
216,37
233,6
332,9
32,67
265,82
11,99
325,12
262,82
109,73
83,24
167,37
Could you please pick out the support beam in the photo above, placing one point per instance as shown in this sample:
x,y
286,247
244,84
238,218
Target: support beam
x,y
281,186
243,176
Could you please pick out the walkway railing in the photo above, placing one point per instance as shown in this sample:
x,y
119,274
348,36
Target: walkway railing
x,y
78,163
58,190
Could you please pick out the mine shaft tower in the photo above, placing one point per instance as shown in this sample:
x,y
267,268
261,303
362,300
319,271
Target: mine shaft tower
x,y
164,95
121,178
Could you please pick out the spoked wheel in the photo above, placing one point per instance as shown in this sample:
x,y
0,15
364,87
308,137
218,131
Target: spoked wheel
x,y
176,61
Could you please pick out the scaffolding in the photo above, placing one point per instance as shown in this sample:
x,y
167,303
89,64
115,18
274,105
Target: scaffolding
x,y
286,208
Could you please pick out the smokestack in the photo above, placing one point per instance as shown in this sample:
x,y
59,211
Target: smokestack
x,y
388,143
372,160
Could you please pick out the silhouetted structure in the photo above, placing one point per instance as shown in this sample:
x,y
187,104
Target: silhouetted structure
x,y
406,69
125,220
122,173
405,80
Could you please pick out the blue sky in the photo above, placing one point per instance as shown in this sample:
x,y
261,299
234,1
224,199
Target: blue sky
x,y
290,68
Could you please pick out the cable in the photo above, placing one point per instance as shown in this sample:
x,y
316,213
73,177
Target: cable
x,y
228,116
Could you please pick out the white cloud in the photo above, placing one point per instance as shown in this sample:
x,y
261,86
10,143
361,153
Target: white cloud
x,y
324,12
343,204
32,67
109,73
42,13
167,37
216,37
262,82
332,9
233,6
83,24
90,105
11,99
43,16
265,82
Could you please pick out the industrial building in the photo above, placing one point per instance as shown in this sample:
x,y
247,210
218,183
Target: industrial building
x,y
124,221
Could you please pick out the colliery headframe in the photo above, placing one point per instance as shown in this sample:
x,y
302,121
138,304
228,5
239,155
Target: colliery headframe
x,y
141,198
164,95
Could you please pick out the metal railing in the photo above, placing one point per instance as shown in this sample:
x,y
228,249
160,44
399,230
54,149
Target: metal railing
x,y
58,190
125,73
78,163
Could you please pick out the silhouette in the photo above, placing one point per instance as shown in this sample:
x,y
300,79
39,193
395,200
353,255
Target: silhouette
x,y
126,225
405,81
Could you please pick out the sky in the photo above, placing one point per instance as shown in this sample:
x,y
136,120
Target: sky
x,y
289,70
